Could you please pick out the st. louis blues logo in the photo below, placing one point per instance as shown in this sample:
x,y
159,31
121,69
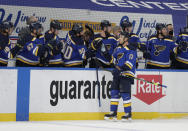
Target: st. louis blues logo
x,y
158,49
108,46
120,55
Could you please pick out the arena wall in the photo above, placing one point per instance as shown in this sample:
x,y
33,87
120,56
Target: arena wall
x,y
72,94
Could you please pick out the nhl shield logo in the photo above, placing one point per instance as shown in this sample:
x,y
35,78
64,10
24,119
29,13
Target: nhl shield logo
x,y
149,93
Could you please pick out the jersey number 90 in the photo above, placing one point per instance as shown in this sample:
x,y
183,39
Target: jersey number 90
x,y
68,52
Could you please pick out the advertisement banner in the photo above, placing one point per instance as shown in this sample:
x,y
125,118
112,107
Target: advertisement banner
x,y
77,91
69,91
143,23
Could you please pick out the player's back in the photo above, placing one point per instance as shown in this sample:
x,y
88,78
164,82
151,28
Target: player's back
x,y
28,54
74,52
55,59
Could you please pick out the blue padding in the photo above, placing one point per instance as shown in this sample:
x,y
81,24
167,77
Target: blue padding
x,y
23,89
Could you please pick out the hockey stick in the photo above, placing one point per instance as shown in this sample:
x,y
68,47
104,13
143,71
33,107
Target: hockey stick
x,y
97,74
156,84
146,59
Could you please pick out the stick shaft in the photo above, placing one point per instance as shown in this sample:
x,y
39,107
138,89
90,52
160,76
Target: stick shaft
x,y
140,79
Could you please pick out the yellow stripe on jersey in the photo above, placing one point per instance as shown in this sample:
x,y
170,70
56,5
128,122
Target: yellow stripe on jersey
x,y
182,61
169,40
26,62
93,46
126,47
3,62
128,65
42,36
36,52
112,38
112,59
114,103
9,42
153,38
150,63
95,40
57,62
183,35
134,35
128,74
34,38
71,39
11,56
73,64
127,105
55,37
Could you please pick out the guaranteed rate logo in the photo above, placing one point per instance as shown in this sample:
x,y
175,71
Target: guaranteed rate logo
x,y
149,93
78,90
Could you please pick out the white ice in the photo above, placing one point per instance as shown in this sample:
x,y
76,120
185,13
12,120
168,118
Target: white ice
x,y
135,125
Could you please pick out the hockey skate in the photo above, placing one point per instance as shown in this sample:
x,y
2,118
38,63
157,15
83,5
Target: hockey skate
x,y
127,117
112,116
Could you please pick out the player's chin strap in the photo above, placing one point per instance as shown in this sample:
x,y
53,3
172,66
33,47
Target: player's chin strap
x,y
156,84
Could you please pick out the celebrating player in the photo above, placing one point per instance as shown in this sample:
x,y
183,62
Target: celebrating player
x,y
6,28
124,60
108,44
75,48
158,49
52,35
182,53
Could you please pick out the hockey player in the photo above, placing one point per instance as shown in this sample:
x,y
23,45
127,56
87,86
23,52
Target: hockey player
x,y
134,40
27,55
23,36
124,60
158,49
52,35
25,30
74,48
6,28
108,44
35,51
182,52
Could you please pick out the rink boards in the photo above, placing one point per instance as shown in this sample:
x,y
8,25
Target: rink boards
x,y
72,94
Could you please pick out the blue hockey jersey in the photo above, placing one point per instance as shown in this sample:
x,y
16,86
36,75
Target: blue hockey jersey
x,y
29,52
74,50
134,40
55,59
159,50
109,44
183,55
5,47
125,58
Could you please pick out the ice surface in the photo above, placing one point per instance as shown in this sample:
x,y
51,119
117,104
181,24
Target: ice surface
x,y
135,125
